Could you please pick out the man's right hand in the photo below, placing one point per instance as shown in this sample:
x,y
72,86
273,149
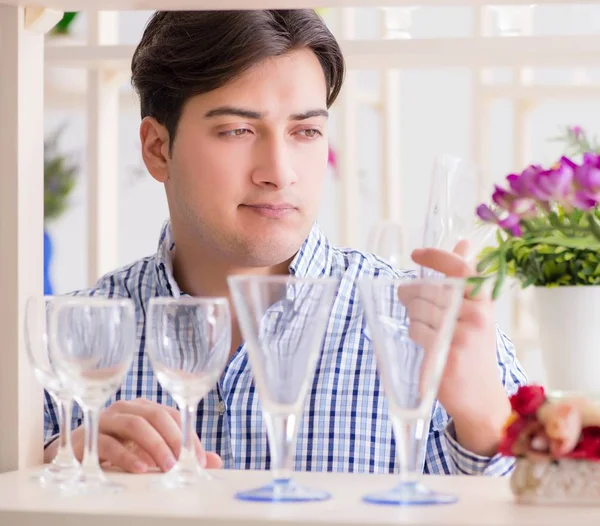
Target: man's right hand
x,y
137,435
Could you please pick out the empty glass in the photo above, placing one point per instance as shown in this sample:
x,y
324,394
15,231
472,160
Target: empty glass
x,y
283,321
37,313
93,340
387,242
188,341
451,213
411,324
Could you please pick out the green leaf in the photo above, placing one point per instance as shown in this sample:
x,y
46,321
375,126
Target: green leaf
x,y
502,271
594,225
477,283
484,263
588,242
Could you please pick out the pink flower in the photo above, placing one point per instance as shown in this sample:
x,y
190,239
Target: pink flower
x,y
577,131
562,423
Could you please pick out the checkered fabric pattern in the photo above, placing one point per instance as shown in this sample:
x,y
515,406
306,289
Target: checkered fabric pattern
x,y
345,424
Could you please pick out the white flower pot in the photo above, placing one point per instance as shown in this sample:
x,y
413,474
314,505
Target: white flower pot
x,y
569,326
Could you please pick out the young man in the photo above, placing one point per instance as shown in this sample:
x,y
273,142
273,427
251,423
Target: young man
x,y
234,108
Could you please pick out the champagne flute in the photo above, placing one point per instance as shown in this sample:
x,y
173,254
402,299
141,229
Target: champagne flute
x,y
283,320
388,242
93,340
412,323
451,213
37,313
188,344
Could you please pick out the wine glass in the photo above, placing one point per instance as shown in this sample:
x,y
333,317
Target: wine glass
x,y
283,320
188,341
411,324
93,340
37,313
451,213
388,242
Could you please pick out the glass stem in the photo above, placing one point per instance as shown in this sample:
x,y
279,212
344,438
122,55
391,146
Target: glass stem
x,y
281,429
91,464
64,456
187,456
411,439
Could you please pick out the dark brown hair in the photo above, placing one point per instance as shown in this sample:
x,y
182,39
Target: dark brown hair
x,y
187,53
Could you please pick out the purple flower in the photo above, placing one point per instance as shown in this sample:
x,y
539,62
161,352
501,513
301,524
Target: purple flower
x,y
524,185
512,224
556,184
487,215
523,206
587,177
503,198
588,174
584,200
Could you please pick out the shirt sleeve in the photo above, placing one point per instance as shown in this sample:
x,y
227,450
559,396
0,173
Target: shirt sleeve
x,y
445,454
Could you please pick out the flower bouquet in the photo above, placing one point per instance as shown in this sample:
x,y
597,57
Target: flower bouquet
x,y
548,221
557,446
548,237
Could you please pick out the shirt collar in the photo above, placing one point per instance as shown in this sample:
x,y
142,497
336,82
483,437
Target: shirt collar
x,y
313,260
167,286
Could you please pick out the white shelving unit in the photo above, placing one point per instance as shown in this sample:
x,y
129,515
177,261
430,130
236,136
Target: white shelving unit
x,y
22,51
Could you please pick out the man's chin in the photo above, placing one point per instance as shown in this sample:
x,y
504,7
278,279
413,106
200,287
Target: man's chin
x,y
263,255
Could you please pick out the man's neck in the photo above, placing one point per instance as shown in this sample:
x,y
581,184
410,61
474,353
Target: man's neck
x,y
200,274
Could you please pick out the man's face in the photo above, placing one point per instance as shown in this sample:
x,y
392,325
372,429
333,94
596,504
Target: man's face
x,y
248,162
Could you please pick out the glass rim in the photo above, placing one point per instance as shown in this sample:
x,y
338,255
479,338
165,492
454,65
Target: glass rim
x,y
102,301
188,300
281,279
386,280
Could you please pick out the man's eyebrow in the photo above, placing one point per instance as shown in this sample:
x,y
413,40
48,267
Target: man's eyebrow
x,y
233,111
256,115
309,115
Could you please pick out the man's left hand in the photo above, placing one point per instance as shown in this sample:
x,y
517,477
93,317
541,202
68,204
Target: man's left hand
x,y
471,390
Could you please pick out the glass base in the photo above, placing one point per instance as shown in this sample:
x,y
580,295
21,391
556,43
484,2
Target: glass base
x,y
410,494
183,478
97,484
53,475
286,491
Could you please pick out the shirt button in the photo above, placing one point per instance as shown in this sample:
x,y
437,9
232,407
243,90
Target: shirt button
x,y
221,407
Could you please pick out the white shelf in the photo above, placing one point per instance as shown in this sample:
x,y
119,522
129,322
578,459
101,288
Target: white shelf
x,y
542,51
482,502
126,5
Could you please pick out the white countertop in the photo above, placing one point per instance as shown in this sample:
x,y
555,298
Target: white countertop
x,y
483,502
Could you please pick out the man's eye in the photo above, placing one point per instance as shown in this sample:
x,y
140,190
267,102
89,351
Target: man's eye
x,y
240,132
311,133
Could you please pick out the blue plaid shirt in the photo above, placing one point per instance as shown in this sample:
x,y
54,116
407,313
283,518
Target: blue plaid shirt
x,y
345,426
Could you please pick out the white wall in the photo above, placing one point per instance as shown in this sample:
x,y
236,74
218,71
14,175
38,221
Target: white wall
x,y
435,118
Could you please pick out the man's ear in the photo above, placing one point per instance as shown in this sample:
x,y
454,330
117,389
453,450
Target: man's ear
x,y
154,139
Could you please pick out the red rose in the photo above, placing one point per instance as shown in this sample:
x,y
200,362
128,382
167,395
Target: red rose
x,y
528,399
588,447
515,426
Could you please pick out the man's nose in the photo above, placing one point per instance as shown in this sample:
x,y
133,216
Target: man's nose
x,y
274,165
